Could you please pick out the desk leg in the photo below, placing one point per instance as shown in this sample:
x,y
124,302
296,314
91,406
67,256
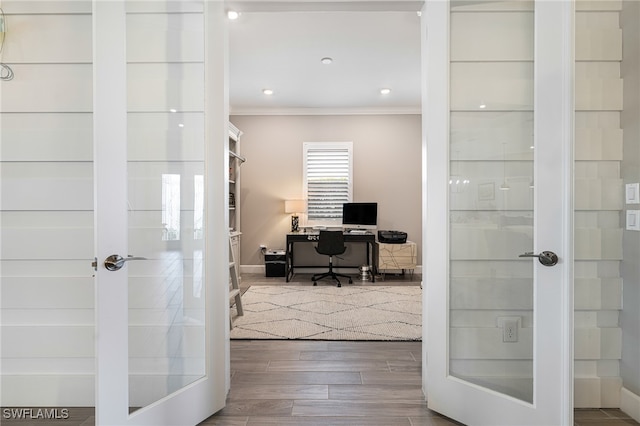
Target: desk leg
x,y
370,262
288,273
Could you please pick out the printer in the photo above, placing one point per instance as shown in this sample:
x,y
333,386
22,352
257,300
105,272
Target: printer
x,y
392,237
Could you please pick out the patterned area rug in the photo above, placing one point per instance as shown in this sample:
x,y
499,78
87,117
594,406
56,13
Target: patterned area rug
x,y
330,313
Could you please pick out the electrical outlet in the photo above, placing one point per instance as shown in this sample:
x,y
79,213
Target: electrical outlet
x,y
510,327
510,331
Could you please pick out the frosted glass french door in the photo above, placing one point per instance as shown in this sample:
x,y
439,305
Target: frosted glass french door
x,y
498,204
161,328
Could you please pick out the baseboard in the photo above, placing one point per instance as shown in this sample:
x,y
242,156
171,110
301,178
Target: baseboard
x,y
48,390
596,392
259,269
630,404
252,269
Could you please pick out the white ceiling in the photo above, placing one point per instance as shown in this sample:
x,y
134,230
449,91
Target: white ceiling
x,y
281,50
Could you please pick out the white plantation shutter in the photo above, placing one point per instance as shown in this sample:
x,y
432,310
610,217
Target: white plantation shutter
x,y
327,173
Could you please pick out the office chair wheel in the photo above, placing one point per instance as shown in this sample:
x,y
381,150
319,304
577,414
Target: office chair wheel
x,y
339,285
350,281
315,283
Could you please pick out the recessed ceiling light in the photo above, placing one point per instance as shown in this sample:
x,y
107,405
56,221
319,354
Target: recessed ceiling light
x,y
483,106
233,15
326,60
385,91
267,91
173,110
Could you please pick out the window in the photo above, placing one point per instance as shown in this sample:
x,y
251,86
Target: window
x,y
198,207
327,180
171,207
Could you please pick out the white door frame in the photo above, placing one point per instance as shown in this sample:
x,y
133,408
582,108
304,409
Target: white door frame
x,y
198,400
553,370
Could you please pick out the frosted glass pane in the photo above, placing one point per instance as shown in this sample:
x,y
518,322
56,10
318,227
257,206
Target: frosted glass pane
x,y
510,37
492,86
491,207
165,160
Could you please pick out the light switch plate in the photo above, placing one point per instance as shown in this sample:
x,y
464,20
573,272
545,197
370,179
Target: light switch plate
x,y
633,220
632,193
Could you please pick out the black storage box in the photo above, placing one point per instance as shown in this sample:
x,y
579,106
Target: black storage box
x,y
274,263
392,237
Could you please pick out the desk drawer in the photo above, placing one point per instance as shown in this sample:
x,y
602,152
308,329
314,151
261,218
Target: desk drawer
x,y
397,256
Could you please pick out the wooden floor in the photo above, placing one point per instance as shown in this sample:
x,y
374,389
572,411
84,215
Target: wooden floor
x,y
340,383
326,383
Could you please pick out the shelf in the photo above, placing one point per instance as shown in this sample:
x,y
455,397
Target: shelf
x,y
234,187
239,157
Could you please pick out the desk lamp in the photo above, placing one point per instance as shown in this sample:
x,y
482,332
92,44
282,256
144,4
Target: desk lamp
x,y
295,207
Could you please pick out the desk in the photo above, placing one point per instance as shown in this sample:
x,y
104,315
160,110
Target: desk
x,y
312,237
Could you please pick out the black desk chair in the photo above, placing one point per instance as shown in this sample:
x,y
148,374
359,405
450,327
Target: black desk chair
x,y
330,243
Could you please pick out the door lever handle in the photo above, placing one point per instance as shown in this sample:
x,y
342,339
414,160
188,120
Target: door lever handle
x,y
547,258
116,262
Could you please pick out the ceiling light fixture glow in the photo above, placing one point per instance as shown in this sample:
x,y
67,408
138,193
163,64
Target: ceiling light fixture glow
x,y
267,92
326,61
233,15
385,91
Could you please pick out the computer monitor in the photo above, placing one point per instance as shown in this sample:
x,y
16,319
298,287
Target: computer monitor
x,y
360,215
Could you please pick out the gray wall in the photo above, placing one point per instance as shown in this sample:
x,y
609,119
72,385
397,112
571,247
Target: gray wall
x,y
386,169
630,316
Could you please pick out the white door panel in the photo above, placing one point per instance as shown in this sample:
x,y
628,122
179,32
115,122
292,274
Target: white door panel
x,y
498,118
162,318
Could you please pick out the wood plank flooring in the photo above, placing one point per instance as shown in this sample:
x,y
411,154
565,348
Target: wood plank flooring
x,y
313,383
326,383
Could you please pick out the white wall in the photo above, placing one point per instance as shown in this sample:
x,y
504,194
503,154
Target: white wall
x,y
47,206
630,315
598,202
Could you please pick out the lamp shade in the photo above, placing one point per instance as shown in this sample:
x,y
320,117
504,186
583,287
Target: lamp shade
x,y
295,206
